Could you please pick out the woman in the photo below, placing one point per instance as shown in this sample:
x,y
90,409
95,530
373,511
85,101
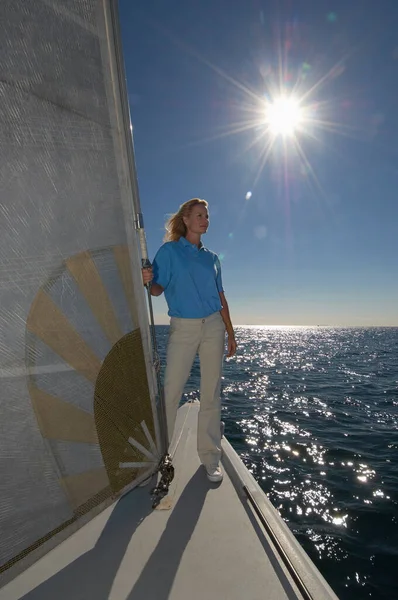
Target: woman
x,y
190,277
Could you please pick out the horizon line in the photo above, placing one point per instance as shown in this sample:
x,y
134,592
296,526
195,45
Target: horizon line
x,y
367,326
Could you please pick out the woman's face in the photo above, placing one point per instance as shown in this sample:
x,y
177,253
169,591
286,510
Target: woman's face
x,y
198,220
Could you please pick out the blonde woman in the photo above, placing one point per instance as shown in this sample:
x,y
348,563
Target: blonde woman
x,y
190,277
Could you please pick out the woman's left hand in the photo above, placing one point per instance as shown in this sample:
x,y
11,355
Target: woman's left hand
x,y
231,346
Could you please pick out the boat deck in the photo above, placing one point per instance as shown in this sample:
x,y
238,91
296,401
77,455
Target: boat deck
x,y
208,545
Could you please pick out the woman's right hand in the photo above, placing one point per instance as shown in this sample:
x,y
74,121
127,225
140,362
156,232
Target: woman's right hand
x,y
147,275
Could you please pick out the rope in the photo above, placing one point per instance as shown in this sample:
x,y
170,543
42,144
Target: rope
x,y
165,467
157,366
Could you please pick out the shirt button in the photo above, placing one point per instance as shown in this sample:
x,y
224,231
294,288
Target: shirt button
x,y
203,320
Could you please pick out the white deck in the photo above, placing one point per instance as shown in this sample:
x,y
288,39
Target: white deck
x,y
208,546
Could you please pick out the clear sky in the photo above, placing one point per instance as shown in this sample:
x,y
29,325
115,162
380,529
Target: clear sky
x,y
309,233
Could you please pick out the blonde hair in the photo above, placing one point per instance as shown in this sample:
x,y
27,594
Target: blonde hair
x,y
175,226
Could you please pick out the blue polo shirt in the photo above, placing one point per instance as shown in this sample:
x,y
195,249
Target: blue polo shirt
x,y
190,277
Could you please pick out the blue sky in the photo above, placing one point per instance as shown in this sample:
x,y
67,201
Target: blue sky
x,y
317,241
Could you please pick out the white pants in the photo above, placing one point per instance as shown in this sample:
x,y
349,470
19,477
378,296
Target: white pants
x,y
187,338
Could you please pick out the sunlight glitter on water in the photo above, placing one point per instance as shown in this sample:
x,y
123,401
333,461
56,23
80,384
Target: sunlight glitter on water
x,y
306,429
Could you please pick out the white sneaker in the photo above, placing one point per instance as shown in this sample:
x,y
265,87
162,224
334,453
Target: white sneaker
x,y
214,473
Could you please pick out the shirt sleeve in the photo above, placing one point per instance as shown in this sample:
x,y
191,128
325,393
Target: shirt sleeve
x,y
218,276
162,266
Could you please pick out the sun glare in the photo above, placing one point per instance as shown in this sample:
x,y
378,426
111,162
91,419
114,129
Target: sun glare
x,y
286,107
283,116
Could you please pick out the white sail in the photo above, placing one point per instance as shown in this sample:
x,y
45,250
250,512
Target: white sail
x,y
78,421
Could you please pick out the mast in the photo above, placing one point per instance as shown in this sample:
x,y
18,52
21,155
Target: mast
x,y
165,466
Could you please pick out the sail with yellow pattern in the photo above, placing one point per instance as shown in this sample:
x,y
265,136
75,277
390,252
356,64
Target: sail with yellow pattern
x,y
78,415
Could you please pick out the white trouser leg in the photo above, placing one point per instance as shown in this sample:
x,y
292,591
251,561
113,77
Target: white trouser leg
x,y
184,340
211,352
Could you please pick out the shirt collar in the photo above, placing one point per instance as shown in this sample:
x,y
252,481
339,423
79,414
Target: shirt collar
x,y
187,244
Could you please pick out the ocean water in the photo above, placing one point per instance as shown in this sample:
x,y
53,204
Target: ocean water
x,y
313,413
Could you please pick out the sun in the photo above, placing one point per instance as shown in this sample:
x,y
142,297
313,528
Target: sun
x,y
283,116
